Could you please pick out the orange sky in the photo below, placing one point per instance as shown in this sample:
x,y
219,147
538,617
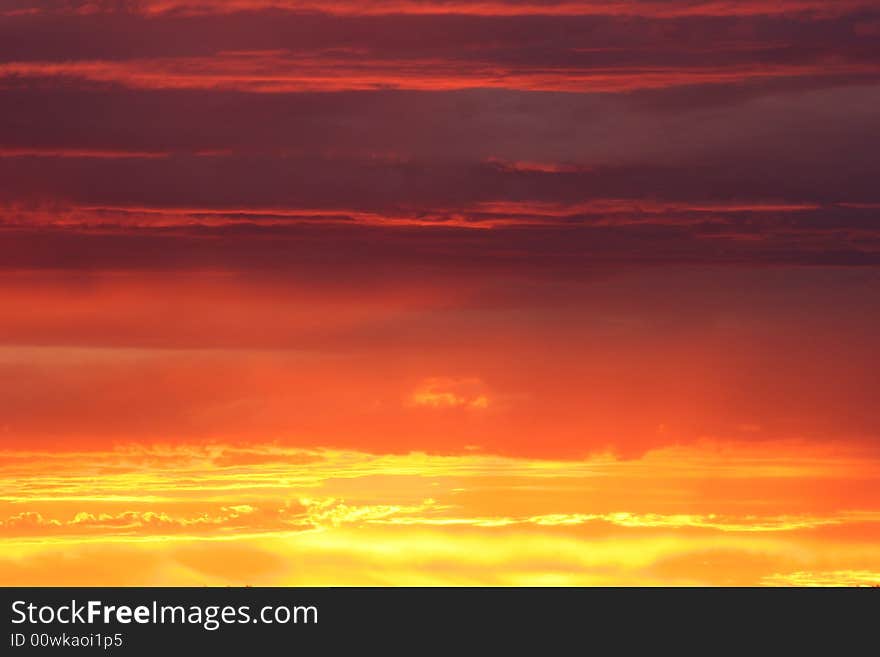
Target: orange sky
x,y
506,293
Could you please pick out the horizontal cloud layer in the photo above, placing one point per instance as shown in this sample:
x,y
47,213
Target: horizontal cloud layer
x,y
469,519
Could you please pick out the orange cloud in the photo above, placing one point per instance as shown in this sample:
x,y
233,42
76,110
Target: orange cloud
x,y
442,392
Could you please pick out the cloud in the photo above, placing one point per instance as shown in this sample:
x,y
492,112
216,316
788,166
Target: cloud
x,y
125,522
334,513
558,130
248,74
649,8
825,578
443,392
279,52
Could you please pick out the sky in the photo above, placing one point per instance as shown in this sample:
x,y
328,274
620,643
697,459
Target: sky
x,y
435,292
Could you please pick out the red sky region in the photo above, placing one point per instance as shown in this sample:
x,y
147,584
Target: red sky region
x,y
406,263
441,360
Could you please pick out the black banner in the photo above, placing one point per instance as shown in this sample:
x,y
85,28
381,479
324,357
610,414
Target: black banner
x,y
407,620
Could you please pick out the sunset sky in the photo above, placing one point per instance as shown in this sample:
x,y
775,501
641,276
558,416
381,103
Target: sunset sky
x,y
439,292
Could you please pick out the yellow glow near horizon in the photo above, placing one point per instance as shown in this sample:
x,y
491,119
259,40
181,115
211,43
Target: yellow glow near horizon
x,y
324,517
